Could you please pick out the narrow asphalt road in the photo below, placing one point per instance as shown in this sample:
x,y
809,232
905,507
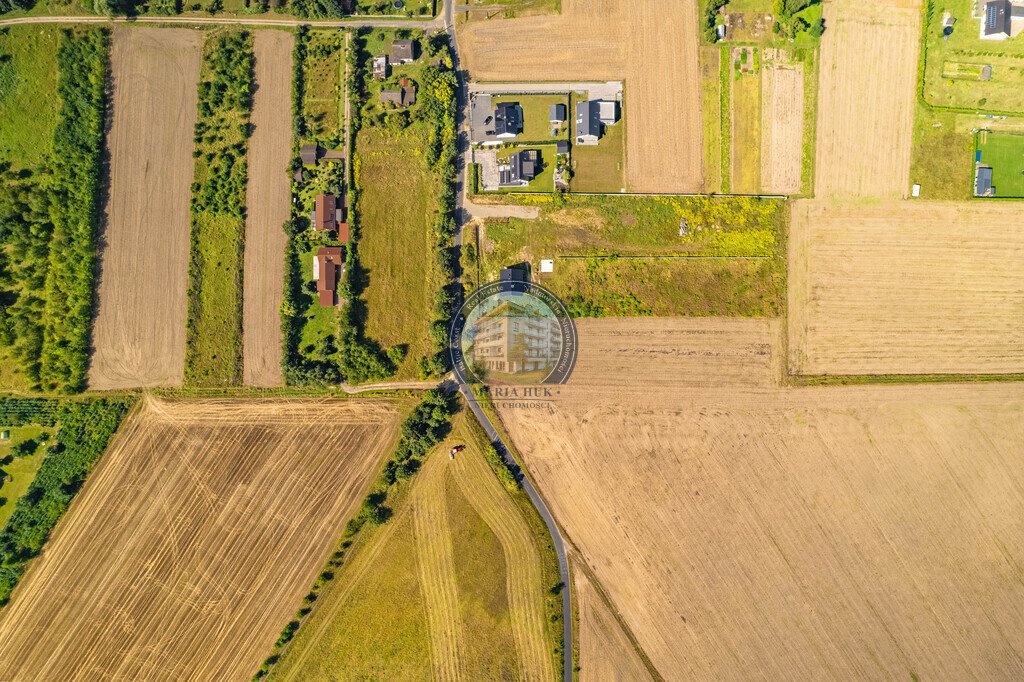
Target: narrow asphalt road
x,y
445,20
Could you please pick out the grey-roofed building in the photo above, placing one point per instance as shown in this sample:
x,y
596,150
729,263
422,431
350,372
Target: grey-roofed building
x,y
608,111
562,147
508,120
995,23
403,51
309,154
983,182
519,169
557,113
588,123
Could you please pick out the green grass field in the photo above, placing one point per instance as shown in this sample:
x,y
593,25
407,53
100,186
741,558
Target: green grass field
x,y
537,116
953,63
397,208
28,79
601,167
750,231
21,470
323,71
1005,154
942,160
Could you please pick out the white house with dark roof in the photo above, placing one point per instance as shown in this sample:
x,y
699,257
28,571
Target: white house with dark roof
x,y
591,118
1000,19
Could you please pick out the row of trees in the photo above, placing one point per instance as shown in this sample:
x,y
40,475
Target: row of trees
x,y
49,219
84,429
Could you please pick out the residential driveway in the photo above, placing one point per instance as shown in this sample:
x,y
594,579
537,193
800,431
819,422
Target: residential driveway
x,y
488,162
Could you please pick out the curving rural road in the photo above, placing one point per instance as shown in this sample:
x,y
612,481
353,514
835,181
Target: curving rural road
x,y
446,21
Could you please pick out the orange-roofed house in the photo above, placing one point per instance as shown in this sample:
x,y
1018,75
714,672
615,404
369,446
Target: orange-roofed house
x,y
328,267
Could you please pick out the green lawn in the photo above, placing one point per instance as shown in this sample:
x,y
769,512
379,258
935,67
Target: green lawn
x,y
28,93
537,116
397,207
952,62
634,226
942,156
21,470
545,180
320,323
600,167
1005,154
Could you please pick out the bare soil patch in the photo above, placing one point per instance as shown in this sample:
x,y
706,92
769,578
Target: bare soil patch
x,y
139,332
194,540
906,288
648,44
268,203
782,127
869,59
761,532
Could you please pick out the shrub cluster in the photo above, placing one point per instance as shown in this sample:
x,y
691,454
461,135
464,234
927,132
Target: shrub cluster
x,y
85,427
48,226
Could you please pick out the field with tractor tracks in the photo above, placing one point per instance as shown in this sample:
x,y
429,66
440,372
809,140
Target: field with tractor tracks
x,y
866,98
744,529
139,330
453,586
194,539
906,288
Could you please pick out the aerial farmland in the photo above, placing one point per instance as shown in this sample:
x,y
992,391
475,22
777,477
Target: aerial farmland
x,y
240,246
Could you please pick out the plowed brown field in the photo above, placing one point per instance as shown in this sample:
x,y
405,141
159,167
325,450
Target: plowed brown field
x,y
139,333
649,44
745,530
869,59
268,202
194,540
906,288
782,128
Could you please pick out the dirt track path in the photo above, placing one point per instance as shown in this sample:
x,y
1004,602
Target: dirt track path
x,y
139,332
268,200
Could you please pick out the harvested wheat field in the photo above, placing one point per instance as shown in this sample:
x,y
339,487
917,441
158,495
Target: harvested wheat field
x,y
452,587
268,202
906,288
139,333
869,59
749,531
606,653
646,44
782,126
194,540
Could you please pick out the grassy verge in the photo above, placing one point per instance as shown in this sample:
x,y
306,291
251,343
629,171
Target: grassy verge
x,y
49,202
810,138
214,343
83,429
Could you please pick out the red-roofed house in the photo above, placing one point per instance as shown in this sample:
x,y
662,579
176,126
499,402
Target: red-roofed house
x,y
325,215
328,266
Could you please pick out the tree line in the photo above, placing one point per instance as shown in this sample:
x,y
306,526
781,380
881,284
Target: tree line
x,y
49,219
